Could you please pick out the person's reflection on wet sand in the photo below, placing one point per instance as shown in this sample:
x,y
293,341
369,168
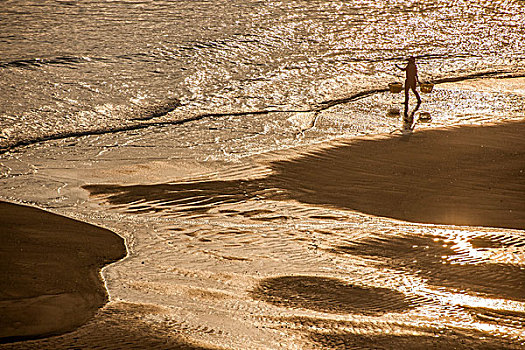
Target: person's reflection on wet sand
x,y
411,81
408,120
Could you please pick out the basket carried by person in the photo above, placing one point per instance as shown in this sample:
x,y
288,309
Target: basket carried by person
x,y
426,87
395,87
425,117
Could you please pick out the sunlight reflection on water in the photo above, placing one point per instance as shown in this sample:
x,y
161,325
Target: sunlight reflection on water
x,y
232,252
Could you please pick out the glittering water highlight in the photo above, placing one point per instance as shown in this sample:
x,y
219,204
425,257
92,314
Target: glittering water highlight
x,y
251,155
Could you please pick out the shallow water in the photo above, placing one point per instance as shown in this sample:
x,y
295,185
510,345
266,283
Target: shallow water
x,y
86,66
240,252
226,112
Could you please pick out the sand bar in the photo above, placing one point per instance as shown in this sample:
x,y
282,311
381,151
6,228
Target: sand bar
x,y
471,175
461,176
50,281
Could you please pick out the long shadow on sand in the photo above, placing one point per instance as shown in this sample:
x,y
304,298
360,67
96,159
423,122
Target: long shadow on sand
x,y
196,197
330,295
450,340
462,176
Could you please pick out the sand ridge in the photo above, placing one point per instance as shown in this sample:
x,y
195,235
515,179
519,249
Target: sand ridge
x,y
50,279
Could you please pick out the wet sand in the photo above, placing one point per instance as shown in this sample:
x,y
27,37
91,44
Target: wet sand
x,y
50,279
117,325
472,176
197,281
468,176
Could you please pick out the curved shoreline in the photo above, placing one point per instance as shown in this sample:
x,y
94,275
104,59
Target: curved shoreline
x,y
147,122
50,276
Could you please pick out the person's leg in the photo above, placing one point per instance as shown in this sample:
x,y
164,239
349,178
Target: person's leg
x,y
417,95
407,89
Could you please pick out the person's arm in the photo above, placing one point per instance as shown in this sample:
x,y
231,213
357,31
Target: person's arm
x,y
401,68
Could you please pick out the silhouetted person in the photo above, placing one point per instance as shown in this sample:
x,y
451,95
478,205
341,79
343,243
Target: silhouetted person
x,y
410,82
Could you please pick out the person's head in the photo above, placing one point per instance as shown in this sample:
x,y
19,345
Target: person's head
x,y
412,59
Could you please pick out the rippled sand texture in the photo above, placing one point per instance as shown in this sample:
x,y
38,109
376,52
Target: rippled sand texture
x,y
334,277
235,247
115,326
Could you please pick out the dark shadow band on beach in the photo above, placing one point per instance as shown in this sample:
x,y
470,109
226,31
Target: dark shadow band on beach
x,y
49,277
471,175
428,339
331,295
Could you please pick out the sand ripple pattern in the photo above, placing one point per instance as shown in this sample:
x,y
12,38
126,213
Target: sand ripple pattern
x,y
288,251
435,260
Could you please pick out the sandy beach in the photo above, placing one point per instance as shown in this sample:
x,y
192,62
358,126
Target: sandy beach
x,y
472,176
410,240
262,175
50,276
465,176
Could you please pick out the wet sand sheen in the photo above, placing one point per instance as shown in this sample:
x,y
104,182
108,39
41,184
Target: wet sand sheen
x,y
50,278
463,176
471,176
